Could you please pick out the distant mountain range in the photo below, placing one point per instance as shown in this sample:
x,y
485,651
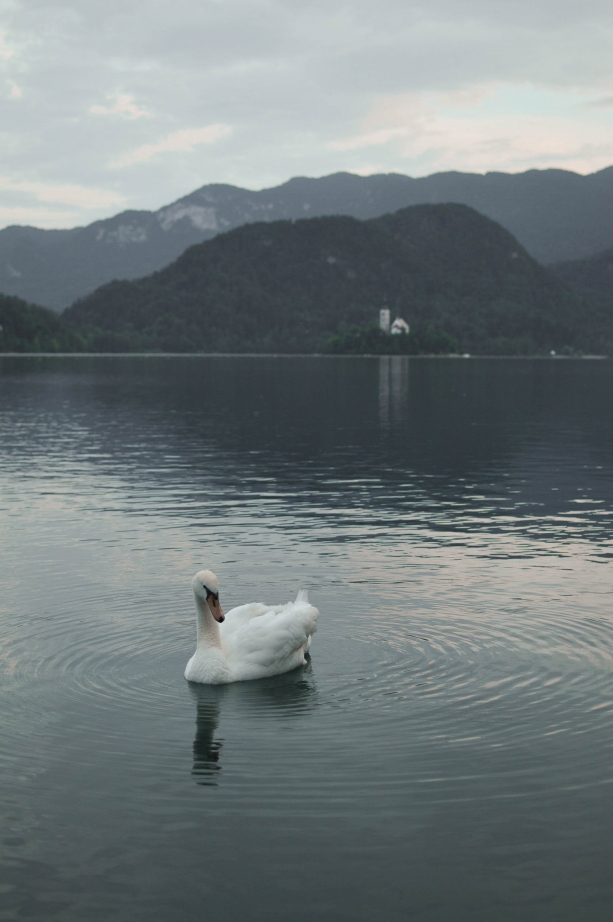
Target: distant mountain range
x,y
555,214
288,286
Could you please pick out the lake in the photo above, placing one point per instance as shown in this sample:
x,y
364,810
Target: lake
x,y
447,754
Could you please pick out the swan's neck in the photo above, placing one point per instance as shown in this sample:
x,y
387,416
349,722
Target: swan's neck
x,y
208,629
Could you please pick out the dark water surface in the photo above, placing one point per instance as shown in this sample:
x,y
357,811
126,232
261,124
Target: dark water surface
x,y
447,754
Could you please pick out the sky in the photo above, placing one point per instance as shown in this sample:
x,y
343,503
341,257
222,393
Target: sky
x,y
134,103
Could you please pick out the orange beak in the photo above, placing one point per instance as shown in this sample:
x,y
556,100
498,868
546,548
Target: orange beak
x,y
216,609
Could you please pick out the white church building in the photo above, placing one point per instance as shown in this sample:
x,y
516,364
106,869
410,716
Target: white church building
x,y
398,326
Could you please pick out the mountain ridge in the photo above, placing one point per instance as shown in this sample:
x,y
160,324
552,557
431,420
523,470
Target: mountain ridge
x,y
288,286
555,214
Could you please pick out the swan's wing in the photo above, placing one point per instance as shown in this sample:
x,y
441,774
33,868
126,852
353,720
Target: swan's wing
x,y
267,640
238,617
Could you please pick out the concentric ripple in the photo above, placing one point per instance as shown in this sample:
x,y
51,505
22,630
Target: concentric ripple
x,y
460,686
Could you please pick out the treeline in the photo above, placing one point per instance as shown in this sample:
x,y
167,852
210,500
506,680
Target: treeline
x,y
28,328
371,340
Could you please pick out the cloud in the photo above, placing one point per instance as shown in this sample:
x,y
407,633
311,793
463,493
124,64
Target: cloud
x,y
406,85
371,139
37,217
606,102
6,52
123,105
63,194
498,129
182,141
368,169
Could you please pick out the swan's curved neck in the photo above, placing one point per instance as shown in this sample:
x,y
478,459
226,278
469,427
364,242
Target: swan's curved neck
x,y
208,629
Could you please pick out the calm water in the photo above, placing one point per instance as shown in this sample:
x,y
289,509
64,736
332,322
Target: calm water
x,y
448,752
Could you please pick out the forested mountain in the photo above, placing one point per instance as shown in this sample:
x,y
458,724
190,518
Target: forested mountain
x,y
28,328
289,286
591,278
555,214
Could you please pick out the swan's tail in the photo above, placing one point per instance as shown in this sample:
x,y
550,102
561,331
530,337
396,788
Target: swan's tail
x,y
303,596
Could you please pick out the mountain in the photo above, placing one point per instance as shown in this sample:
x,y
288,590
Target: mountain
x,y
289,286
28,328
591,278
555,214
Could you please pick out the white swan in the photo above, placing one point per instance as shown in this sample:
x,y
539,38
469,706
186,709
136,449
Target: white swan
x,y
251,641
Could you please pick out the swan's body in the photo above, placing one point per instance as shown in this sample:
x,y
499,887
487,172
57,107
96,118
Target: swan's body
x,y
251,641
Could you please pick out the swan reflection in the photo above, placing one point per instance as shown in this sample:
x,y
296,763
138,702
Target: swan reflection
x,y
289,695
206,748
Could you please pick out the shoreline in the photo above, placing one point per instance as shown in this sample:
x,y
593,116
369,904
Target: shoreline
x,y
289,355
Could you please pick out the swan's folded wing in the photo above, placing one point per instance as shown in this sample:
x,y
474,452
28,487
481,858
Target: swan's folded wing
x,y
274,636
238,617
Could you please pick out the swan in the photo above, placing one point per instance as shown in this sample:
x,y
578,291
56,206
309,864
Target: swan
x,y
250,642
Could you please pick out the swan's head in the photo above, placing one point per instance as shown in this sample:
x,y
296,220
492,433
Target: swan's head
x,y
206,588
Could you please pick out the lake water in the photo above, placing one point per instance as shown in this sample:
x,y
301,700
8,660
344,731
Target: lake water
x,y
448,752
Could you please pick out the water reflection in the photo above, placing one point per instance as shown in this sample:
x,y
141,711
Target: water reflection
x,y
459,730
393,387
284,696
206,748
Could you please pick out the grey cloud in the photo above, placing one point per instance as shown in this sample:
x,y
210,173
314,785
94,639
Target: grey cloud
x,y
605,102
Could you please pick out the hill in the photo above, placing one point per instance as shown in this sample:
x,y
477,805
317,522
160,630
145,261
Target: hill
x,y
289,286
555,214
591,278
28,328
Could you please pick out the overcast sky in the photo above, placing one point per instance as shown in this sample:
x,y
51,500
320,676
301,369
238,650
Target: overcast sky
x,y
133,103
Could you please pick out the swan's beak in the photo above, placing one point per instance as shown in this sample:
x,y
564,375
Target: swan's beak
x,y
216,609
